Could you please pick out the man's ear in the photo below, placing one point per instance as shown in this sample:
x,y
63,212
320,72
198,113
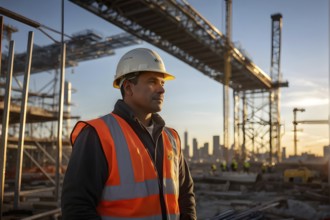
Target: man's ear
x,y
128,88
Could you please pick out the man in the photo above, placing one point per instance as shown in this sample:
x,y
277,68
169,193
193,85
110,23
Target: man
x,y
127,164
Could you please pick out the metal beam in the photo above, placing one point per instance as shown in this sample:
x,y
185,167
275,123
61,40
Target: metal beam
x,y
313,122
5,123
20,147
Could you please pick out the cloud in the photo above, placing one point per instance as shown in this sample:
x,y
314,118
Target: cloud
x,y
305,83
310,82
305,102
305,93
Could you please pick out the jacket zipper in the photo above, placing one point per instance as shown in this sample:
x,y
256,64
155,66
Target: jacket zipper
x,y
155,168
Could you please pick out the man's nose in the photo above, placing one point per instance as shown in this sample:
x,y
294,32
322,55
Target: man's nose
x,y
161,89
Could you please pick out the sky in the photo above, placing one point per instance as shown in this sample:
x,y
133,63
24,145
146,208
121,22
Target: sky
x,y
193,102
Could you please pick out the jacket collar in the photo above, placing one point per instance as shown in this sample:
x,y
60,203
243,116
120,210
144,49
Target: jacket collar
x,y
124,111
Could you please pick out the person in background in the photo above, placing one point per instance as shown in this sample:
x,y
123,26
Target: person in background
x,y
213,169
234,165
128,164
223,166
246,166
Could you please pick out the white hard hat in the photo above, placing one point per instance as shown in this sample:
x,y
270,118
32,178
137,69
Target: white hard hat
x,y
140,59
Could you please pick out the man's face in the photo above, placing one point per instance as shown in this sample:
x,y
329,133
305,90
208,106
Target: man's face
x,y
148,93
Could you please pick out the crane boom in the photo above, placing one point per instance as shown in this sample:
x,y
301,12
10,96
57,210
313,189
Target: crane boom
x,y
313,122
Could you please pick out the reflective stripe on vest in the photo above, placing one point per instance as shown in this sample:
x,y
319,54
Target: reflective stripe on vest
x,y
132,187
174,217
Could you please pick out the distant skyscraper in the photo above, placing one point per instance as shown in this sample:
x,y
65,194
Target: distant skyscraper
x,y
204,151
186,146
216,154
326,151
283,153
195,149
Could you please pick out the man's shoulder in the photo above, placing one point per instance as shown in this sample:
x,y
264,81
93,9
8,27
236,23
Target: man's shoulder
x,y
171,129
172,133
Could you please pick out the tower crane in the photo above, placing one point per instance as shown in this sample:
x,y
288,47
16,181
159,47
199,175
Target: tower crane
x,y
295,123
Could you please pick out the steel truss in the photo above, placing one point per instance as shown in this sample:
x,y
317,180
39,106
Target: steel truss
x,y
178,29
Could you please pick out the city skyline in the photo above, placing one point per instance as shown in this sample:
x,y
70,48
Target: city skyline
x,y
216,142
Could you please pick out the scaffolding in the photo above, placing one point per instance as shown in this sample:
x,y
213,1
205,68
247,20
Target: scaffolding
x,y
30,145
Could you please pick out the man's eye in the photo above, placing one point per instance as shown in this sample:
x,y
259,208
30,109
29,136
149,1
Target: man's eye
x,y
162,83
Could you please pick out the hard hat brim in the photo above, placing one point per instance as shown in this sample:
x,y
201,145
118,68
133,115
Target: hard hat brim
x,y
167,76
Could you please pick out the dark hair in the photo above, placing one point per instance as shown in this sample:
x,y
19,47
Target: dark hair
x,y
133,78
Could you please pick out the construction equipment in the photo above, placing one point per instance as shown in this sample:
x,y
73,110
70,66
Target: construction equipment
x,y
299,175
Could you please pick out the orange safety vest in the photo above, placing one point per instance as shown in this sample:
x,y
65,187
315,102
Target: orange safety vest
x,y
132,188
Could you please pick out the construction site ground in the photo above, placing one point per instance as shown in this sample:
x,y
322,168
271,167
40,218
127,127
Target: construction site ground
x,y
258,196
219,195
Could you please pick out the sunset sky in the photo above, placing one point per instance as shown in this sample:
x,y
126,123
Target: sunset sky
x,y
193,101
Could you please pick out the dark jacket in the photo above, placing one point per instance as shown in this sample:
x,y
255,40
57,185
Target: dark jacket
x,y
87,171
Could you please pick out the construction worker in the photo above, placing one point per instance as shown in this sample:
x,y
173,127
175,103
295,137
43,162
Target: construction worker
x,y
246,166
234,165
213,169
223,166
127,164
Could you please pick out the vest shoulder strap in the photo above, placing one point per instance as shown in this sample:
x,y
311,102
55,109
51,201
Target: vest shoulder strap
x,y
80,125
174,136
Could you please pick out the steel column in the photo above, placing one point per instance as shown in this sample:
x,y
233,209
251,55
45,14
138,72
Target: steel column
x,y
275,73
236,119
60,111
244,120
5,121
19,161
271,140
60,125
1,34
226,106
